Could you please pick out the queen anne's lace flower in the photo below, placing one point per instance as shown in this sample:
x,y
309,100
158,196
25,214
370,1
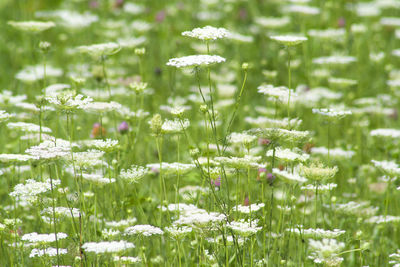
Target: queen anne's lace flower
x,y
97,50
146,230
48,252
289,40
195,61
207,33
31,26
107,247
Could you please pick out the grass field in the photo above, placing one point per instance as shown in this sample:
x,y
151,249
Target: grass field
x,y
199,133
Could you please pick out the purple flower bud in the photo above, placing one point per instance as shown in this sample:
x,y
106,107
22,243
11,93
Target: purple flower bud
x,y
123,127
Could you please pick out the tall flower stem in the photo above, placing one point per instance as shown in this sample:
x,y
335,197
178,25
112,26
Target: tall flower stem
x,y
289,84
54,215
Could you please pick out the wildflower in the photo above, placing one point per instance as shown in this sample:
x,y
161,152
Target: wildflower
x,y
50,150
31,26
27,127
195,61
134,174
247,208
42,238
389,167
126,260
121,223
175,126
326,251
291,178
333,152
32,188
107,247
316,233
102,107
392,133
178,231
99,50
289,40
98,131
244,228
317,172
332,113
321,188
207,33
145,230
48,252
287,155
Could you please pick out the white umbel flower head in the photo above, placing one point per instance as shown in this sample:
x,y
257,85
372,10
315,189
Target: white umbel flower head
x,y
31,26
326,251
48,252
42,238
392,133
107,247
207,33
287,155
292,178
195,61
134,173
145,230
331,113
289,40
98,50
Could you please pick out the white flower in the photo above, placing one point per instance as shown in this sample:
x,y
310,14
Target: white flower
x,y
289,40
289,177
6,158
246,209
69,100
69,19
393,133
62,212
27,127
175,126
127,260
33,188
287,154
207,33
334,60
97,50
326,251
4,116
107,247
241,138
244,228
195,61
42,238
317,233
178,231
48,252
333,152
121,223
34,73
97,178
321,188
272,22
31,26
280,92
134,173
102,107
389,167
103,145
332,113
146,230
302,9
50,150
